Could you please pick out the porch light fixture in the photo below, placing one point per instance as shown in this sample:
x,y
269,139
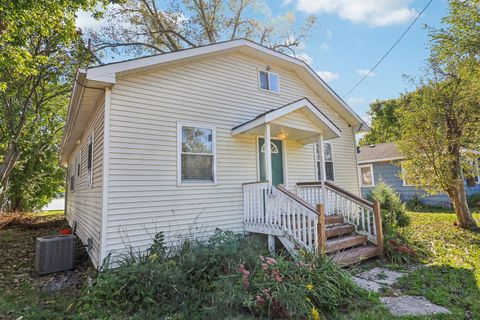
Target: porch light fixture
x,y
282,136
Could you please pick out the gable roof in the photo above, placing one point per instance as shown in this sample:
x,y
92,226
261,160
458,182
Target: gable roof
x,y
106,75
331,130
379,152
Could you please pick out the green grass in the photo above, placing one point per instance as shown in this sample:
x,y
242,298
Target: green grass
x,y
451,273
21,293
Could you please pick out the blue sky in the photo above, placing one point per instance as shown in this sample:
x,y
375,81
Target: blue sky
x,y
351,36
349,41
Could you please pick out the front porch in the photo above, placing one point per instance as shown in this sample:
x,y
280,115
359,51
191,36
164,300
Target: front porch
x,y
316,216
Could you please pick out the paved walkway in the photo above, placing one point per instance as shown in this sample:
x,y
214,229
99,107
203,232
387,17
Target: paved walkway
x,y
381,279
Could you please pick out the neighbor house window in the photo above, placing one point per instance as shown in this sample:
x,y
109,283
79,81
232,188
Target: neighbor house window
x,y
329,170
366,176
90,162
197,154
269,81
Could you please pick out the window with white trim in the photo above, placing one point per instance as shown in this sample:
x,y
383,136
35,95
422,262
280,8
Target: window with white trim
x,y
197,154
90,162
269,81
366,175
329,168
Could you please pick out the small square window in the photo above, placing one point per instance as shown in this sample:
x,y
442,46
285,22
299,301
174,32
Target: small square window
x,y
269,81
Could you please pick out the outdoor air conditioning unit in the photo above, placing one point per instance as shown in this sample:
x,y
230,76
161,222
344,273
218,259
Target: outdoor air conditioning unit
x,y
55,253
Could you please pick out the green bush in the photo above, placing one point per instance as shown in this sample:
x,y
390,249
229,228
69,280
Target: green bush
x,y
474,200
394,211
229,276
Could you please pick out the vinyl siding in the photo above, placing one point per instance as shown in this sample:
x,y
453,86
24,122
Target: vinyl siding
x,y
222,92
84,203
389,172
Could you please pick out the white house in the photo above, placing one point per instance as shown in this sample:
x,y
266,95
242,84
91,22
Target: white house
x,y
176,143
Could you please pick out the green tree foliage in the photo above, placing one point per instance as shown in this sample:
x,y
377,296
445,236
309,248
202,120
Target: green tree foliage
x,y
40,48
441,120
385,125
140,27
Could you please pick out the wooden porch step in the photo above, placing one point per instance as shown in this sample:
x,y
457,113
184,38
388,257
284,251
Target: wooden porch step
x,y
355,255
333,220
339,230
345,242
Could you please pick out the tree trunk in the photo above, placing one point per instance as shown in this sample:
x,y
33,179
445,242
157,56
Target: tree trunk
x,y
459,201
6,168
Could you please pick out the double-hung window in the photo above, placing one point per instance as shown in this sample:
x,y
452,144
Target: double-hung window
x,y
366,175
79,163
90,162
269,81
329,168
197,154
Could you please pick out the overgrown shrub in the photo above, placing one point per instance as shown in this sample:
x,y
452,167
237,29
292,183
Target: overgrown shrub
x,y
474,200
394,211
394,218
229,276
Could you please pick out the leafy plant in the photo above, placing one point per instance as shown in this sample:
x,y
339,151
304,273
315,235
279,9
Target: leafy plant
x,y
394,211
474,200
227,276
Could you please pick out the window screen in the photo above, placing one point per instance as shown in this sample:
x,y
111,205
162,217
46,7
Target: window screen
x,y
197,154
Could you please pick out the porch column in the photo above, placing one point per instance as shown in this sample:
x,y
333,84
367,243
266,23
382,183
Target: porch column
x,y
268,155
323,174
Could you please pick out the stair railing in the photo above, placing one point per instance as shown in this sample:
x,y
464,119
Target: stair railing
x,y
277,211
365,215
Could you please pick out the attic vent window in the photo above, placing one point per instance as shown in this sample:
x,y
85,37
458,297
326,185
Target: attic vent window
x,y
269,81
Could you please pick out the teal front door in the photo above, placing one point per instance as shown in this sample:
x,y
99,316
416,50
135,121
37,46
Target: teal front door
x,y
277,161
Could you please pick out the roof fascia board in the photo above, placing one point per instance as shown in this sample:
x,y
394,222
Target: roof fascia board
x,y
381,160
107,73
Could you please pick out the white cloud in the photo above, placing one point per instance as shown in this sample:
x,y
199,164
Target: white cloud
x,y
356,102
365,72
85,20
373,12
305,57
328,76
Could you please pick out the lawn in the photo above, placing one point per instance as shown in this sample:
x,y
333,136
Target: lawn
x,y
22,292
450,276
451,273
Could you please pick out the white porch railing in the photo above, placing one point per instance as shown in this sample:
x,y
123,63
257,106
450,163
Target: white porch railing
x,y
276,211
354,209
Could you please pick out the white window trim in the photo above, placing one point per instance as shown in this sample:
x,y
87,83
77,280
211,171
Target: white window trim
x,y
316,161
404,182
179,155
268,73
360,175
90,172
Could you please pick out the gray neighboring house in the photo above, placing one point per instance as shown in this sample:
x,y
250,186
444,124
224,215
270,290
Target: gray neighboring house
x,y
383,162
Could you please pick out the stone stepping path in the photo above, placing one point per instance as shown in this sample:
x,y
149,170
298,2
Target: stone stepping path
x,y
380,279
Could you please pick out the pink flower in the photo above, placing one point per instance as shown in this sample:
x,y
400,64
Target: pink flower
x,y
301,264
276,274
262,258
271,261
264,266
245,273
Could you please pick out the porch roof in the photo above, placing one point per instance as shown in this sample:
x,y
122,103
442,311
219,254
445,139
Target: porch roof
x,y
319,123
